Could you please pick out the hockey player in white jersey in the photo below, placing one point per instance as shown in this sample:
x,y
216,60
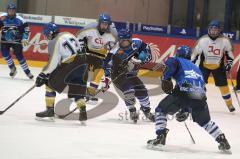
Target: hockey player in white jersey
x,y
62,48
97,38
216,57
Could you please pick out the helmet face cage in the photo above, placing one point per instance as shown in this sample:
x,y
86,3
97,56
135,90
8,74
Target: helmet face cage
x,y
50,30
104,21
11,9
125,38
214,29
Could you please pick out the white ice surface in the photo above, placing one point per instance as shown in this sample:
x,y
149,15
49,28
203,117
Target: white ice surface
x,y
104,137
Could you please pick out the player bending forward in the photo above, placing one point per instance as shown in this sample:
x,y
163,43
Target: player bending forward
x,y
97,39
124,61
188,95
62,48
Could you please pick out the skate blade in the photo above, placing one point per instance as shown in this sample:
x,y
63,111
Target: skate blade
x,y
83,123
45,119
228,152
93,99
134,121
14,75
158,147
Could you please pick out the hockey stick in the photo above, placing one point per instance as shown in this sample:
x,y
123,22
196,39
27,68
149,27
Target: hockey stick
x,y
100,90
13,42
3,111
72,111
155,68
193,141
230,76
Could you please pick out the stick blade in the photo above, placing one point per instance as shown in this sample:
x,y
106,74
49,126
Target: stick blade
x,y
1,112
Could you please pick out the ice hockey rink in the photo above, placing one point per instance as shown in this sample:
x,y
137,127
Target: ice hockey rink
x,y
107,136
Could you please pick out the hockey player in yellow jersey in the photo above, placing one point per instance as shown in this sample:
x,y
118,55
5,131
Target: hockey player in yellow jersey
x,y
216,58
98,38
62,47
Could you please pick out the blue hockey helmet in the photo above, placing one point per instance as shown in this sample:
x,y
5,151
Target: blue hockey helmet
x,y
104,18
125,38
184,52
11,6
125,34
214,29
11,10
50,30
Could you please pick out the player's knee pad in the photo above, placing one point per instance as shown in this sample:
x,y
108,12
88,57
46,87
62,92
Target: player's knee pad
x,y
50,97
50,92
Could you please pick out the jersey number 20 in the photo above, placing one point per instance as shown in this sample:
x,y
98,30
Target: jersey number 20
x,y
214,51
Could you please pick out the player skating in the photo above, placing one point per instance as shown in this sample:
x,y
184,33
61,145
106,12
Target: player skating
x,y
188,96
62,48
124,61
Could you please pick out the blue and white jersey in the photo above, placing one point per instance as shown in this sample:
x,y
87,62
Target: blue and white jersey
x,y
124,56
13,29
188,76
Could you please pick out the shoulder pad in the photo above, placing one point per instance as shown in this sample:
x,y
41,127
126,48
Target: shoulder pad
x,y
91,25
3,16
21,19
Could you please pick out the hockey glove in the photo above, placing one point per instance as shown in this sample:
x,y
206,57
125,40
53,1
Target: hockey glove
x,y
24,42
41,80
106,83
228,66
182,115
167,86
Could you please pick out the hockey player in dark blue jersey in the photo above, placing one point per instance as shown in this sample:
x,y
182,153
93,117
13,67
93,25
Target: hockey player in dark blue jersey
x,y
188,96
15,33
126,57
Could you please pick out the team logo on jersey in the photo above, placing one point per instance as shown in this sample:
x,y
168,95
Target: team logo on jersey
x,y
99,41
10,33
192,74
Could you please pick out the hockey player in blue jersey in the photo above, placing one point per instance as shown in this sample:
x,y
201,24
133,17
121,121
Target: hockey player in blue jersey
x,y
126,57
188,96
14,34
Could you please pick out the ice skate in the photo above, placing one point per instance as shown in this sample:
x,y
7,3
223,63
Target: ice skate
x,y
133,115
47,115
13,72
